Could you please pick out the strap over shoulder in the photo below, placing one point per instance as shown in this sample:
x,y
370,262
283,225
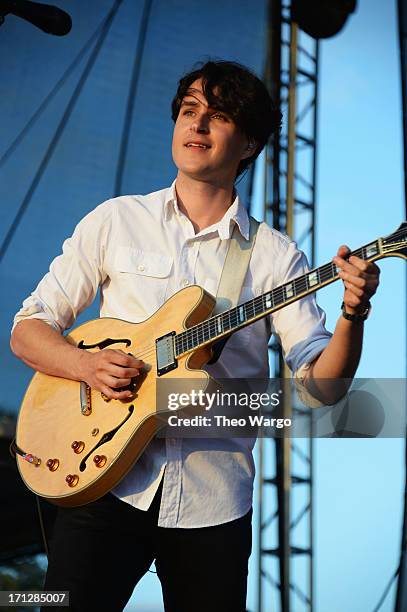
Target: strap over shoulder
x,y
235,267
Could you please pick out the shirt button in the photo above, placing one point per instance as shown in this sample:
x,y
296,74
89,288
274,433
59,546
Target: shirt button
x,y
185,282
141,268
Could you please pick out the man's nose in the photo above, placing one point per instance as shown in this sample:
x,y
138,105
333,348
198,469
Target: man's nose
x,y
200,124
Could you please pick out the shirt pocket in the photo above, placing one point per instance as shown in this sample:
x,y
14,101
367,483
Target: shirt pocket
x,y
146,275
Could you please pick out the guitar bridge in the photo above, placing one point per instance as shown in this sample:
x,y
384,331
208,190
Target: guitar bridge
x,y
165,354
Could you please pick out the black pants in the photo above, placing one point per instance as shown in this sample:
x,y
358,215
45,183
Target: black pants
x,y
100,551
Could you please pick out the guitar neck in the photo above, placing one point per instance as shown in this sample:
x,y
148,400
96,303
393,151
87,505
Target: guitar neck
x,y
222,325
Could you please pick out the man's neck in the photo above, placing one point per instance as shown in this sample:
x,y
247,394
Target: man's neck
x,y
204,203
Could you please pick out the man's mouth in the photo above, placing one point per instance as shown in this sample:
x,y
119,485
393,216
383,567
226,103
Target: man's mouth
x,y
199,145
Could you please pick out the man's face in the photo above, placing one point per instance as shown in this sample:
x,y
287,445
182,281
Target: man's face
x,y
207,144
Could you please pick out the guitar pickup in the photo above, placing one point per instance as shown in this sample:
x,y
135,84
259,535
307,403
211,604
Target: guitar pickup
x,y
165,354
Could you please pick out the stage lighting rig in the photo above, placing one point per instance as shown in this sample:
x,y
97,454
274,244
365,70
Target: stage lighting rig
x,y
321,18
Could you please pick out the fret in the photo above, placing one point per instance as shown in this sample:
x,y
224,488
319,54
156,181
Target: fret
x,y
360,253
278,296
250,309
259,305
232,318
300,284
325,273
226,321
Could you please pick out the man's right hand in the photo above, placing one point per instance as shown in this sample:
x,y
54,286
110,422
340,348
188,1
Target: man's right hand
x,y
44,349
109,370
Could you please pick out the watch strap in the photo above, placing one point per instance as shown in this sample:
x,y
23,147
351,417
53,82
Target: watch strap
x,y
357,317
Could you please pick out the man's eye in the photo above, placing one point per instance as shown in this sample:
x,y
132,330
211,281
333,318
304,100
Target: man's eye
x,y
188,112
219,116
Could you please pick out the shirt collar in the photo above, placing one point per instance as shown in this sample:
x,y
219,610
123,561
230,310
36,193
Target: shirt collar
x,y
170,202
235,213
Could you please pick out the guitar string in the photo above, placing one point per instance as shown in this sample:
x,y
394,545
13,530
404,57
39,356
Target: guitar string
x,y
277,297
232,315
397,234
276,294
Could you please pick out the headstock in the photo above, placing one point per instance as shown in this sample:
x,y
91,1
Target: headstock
x,y
395,244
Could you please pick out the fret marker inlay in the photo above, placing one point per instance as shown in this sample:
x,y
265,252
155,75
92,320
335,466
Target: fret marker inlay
x,y
371,250
313,279
260,306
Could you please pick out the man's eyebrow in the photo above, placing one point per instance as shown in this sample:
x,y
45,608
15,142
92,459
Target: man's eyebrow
x,y
188,102
195,102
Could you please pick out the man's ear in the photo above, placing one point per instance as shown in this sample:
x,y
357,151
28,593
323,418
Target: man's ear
x,y
250,149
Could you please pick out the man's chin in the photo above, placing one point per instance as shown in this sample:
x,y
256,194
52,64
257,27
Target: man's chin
x,y
197,174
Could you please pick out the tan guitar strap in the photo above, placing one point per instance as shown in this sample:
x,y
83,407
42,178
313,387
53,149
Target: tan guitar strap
x,y
235,267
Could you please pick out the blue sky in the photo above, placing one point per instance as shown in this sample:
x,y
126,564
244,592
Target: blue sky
x,y
359,483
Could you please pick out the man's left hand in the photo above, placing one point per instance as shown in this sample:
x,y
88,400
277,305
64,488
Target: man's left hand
x,y
360,277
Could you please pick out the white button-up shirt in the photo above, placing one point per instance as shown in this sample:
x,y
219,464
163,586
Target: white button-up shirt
x,y
140,250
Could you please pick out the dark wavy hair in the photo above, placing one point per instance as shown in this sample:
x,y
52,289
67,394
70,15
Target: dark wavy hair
x,y
240,94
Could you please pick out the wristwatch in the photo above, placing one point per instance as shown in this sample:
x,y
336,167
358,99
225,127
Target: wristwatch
x,y
357,317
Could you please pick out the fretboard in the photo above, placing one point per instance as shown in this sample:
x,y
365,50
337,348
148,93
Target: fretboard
x,y
221,325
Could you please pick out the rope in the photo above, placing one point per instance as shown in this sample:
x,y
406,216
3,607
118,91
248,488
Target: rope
x,y
132,97
59,131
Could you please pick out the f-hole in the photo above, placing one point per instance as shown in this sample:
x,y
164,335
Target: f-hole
x,y
105,438
104,343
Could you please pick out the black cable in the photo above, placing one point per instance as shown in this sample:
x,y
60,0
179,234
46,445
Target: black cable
x,y
138,58
52,93
42,526
60,129
386,590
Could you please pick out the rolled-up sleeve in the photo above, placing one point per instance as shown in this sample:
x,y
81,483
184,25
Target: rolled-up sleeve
x,y
74,276
300,326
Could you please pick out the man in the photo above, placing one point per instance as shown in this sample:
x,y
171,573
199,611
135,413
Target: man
x,y
187,503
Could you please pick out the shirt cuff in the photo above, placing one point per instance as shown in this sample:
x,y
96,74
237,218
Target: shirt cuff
x,y
303,394
34,309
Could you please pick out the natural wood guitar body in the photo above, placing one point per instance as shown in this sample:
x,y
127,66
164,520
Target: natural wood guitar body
x,y
111,438
50,419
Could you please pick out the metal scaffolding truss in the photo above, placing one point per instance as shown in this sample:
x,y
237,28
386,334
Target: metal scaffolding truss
x,y
285,536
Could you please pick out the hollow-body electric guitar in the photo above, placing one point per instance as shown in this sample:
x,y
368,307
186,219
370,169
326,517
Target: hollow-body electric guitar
x,y
73,445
